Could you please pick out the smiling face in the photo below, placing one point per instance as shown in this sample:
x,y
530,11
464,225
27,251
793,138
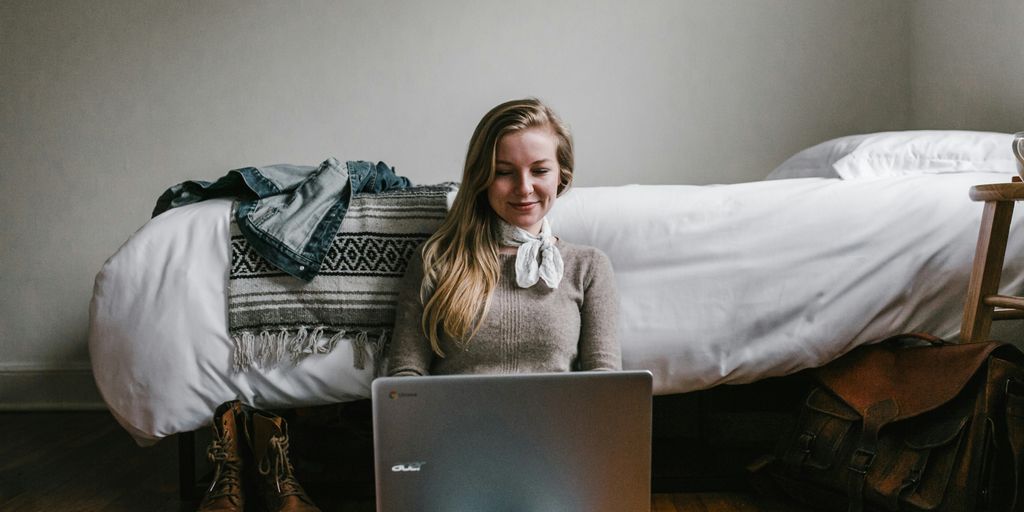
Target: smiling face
x,y
526,175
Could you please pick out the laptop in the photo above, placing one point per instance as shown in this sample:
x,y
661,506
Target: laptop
x,y
577,441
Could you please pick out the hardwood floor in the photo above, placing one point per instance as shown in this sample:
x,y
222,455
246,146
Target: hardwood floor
x,y
84,461
81,461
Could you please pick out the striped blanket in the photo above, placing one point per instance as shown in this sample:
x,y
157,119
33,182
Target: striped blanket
x,y
274,317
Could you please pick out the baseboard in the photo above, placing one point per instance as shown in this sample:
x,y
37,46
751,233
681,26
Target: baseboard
x,y
40,387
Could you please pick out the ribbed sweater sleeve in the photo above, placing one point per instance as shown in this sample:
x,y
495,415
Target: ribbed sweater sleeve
x,y
410,352
598,344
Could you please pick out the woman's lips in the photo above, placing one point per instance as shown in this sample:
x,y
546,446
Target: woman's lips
x,y
523,206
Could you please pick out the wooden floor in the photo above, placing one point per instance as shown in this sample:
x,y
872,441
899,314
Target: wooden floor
x,y
84,461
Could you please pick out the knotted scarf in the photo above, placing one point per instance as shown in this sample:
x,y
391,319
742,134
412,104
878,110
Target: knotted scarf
x,y
537,257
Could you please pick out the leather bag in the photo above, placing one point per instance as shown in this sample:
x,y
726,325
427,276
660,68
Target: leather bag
x,y
896,427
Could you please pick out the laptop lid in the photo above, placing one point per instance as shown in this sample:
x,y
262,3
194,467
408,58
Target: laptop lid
x,y
525,442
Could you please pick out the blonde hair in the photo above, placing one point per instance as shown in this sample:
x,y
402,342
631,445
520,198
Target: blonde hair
x,y
460,261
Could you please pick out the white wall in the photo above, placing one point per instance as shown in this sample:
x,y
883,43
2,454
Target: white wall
x,y
107,103
967,70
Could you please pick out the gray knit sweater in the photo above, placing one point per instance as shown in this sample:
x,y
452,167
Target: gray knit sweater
x,y
526,330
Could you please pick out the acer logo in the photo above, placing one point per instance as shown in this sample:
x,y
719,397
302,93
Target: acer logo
x,y
411,466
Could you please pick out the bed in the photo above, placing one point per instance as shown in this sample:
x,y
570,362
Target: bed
x,y
845,243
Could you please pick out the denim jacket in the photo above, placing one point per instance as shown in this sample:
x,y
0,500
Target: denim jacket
x,y
290,213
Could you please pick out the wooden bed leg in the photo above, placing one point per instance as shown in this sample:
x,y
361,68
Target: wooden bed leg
x,y
187,466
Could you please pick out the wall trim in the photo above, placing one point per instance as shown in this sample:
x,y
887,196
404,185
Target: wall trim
x,y
48,387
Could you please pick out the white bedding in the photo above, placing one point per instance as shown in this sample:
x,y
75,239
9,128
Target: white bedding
x,y
718,284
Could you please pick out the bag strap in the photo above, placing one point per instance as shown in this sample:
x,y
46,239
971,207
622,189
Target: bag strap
x,y
909,339
877,416
1015,432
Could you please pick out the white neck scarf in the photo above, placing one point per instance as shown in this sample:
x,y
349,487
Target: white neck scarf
x,y
537,257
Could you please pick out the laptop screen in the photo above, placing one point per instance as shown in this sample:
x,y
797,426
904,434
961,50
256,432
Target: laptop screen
x,y
525,442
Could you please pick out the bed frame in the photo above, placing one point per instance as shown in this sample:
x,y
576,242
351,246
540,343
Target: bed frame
x,y
701,440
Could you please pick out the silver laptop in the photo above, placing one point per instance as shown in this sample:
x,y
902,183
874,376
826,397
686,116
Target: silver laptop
x,y
576,441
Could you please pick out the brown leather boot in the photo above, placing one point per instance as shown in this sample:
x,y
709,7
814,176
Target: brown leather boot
x,y
225,492
268,438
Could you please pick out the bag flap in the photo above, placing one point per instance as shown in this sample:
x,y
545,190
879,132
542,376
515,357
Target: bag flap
x,y
918,379
823,402
936,432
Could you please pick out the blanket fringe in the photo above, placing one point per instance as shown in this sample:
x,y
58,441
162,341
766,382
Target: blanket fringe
x,y
376,350
269,349
380,354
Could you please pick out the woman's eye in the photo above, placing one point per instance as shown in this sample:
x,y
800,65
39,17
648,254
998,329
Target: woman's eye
x,y
542,170
502,172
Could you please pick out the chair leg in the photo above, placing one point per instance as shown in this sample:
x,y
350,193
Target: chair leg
x,y
987,270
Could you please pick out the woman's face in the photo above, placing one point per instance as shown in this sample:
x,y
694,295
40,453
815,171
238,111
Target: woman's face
x,y
526,177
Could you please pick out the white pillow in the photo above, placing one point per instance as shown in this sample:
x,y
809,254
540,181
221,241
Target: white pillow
x,y
816,161
886,154
928,152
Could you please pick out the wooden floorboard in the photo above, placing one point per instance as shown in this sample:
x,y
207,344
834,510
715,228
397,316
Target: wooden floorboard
x,y
84,461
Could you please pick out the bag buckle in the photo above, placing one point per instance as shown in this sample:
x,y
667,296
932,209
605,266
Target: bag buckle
x,y
861,460
914,476
805,441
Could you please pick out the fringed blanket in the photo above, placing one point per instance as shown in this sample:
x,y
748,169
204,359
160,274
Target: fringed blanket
x,y
274,317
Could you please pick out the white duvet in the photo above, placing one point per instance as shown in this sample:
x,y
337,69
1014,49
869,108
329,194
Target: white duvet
x,y
718,284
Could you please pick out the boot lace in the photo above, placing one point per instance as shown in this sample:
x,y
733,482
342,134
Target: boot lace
x,y
277,462
227,473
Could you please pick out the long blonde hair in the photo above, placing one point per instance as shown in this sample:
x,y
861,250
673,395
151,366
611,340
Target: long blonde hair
x,y
460,261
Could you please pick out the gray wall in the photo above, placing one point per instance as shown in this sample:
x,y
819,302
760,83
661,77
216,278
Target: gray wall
x,y
106,103
967,70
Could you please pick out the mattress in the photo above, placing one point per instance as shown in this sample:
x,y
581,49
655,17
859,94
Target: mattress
x,y
718,284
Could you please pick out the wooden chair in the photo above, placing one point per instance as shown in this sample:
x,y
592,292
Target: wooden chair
x,y
984,304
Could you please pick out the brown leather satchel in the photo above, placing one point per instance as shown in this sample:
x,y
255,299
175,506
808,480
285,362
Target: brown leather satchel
x,y
895,427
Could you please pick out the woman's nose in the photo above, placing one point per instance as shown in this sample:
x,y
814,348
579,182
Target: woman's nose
x,y
524,186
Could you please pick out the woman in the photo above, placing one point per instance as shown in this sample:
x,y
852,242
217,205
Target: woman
x,y
493,290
